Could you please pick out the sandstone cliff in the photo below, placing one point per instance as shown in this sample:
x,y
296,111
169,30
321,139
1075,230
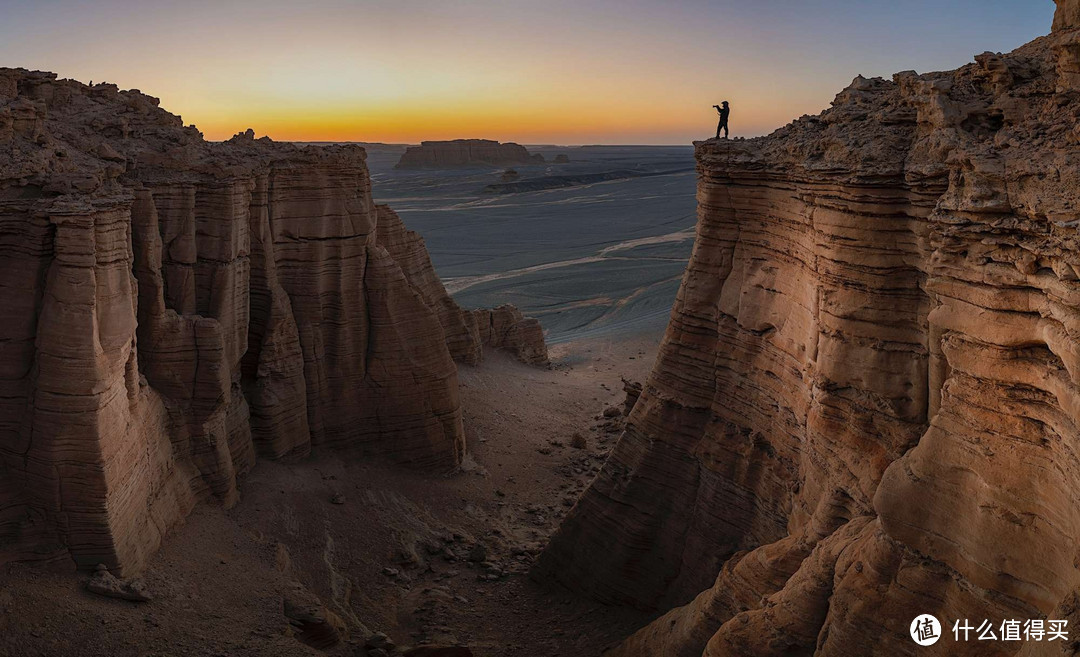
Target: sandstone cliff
x,y
865,406
174,308
464,153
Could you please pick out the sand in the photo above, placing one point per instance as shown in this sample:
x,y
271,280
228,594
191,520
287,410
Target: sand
x,y
363,537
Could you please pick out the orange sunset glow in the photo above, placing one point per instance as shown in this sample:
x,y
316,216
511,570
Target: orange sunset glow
x,y
535,72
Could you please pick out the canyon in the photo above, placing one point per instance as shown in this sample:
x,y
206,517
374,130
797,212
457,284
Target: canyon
x,y
865,405
466,153
177,309
226,368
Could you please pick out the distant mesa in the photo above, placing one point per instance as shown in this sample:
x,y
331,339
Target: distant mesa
x,y
465,153
562,158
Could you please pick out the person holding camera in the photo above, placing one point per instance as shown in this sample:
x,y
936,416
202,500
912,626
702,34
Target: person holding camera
x,y
724,112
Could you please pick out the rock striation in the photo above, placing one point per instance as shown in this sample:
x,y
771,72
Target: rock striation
x,y
176,308
866,403
466,331
465,153
504,327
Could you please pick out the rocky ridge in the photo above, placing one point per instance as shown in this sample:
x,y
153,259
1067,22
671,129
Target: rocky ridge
x,y
865,406
176,308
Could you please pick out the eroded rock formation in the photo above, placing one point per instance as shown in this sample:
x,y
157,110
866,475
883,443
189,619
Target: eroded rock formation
x,y
464,153
174,308
865,406
466,331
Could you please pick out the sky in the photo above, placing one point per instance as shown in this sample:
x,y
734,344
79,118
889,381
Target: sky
x,y
532,71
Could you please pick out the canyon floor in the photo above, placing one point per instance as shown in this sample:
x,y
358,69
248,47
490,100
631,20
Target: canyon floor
x,y
423,558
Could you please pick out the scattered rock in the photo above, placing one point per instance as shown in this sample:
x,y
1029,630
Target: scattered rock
x,y
102,582
380,641
478,553
313,623
633,393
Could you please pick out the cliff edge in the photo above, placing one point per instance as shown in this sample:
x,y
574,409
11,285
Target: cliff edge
x,y
865,405
174,308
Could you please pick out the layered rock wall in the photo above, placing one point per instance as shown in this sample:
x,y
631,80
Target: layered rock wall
x,y
175,308
467,331
464,153
865,406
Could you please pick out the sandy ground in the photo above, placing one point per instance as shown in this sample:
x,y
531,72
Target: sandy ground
x,y
424,558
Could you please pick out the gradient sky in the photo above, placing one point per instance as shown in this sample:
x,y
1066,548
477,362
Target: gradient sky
x,y
531,71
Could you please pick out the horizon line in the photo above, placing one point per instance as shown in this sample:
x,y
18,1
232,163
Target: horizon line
x,y
526,144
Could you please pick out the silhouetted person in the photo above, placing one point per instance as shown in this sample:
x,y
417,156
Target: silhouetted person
x,y
724,111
